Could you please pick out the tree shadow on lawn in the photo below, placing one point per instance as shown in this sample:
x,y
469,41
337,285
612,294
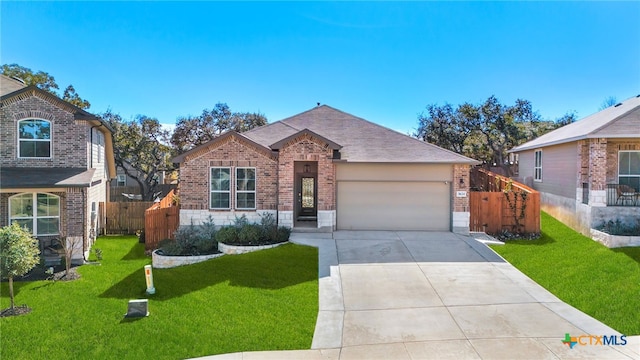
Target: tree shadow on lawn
x,y
135,253
17,287
268,269
632,252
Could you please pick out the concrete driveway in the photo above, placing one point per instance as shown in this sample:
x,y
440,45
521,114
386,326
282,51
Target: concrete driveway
x,y
436,295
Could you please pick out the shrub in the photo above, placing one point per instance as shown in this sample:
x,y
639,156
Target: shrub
x,y
205,245
227,235
192,240
283,234
141,238
208,229
19,253
170,247
249,234
240,222
618,228
244,233
269,228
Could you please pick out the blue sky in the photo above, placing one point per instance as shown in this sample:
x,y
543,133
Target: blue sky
x,y
381,61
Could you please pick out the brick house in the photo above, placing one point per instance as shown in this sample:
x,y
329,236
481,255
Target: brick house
x,y
56,163
588,172
329,170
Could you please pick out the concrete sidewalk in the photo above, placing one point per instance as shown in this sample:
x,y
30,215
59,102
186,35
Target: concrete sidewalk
x,y
427,295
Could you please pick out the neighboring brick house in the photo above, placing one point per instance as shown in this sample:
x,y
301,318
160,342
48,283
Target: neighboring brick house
x,y
56,163
326,169
588,172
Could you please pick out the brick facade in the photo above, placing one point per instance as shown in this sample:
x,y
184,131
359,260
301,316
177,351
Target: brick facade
x,y
598,165
461,204
306,148
68,137
231,152
71,147
277,173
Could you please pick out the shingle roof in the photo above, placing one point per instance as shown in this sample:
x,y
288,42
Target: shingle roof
x,y
361,140
13,177
620,121
9,85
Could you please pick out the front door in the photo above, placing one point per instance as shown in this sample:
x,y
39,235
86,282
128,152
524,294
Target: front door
x,y
306,192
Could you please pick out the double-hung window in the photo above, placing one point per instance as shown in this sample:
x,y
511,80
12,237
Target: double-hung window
x,y
629,169
39,212
122,180
537,167
34,138
220,197
245,188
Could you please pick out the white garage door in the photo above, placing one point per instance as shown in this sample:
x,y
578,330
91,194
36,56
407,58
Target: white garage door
x,y
407,204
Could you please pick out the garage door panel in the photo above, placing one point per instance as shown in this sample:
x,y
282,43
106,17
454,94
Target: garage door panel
x,y
393,205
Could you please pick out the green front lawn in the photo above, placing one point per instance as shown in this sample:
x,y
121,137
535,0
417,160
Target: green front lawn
x,y
602,282
265,300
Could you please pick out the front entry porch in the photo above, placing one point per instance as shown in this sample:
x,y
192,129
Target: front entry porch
x,y
305,200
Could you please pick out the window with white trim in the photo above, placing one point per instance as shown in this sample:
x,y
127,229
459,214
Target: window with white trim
x,y
537,167
34,138
39,212
220,188
122,180
100,146
245,188
629,169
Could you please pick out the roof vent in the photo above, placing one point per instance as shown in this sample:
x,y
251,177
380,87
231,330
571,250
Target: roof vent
x,y
618,104
18,79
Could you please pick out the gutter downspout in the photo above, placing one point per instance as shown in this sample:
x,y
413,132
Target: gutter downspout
x,y
278,189
84,223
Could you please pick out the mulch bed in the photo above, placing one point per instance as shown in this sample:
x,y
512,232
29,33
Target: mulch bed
x,y
39,273
17,310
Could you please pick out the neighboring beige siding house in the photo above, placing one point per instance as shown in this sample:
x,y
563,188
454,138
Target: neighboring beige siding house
x,y
56,162
588,172
326,169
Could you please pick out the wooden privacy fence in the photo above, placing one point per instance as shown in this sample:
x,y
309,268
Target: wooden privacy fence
x,y
160,221
504,205
123,217
117,191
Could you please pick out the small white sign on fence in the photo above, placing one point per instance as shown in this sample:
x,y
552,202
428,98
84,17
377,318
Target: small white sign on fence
x,y
461,194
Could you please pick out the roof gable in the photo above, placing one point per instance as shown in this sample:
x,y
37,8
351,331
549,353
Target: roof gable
x,y
204,148
622,121
280,144
78,114
21,94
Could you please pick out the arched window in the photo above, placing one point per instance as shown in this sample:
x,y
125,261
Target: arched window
x,y
34,138
39,212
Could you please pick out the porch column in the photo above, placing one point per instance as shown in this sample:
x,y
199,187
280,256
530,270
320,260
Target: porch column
x,y
460,213
598,172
